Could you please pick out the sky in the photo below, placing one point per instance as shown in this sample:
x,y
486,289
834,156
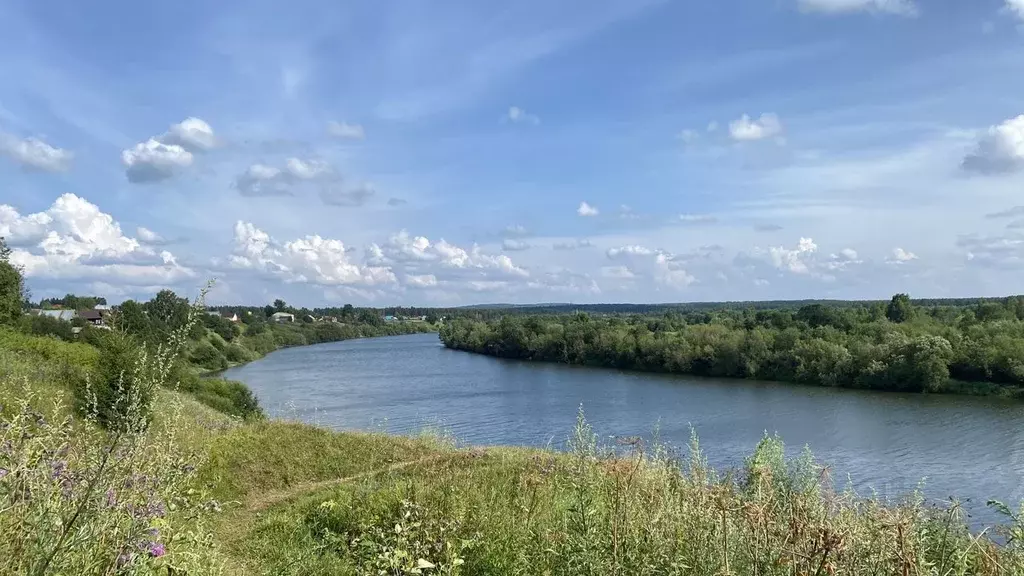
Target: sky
x,y
458,152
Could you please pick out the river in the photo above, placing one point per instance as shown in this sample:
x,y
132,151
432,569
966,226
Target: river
x,y
969,447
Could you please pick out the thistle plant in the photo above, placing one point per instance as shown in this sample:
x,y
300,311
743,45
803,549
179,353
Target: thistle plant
x,y
95,496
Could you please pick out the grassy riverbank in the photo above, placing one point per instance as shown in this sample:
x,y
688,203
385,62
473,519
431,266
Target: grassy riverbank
x,y
202,492
973,349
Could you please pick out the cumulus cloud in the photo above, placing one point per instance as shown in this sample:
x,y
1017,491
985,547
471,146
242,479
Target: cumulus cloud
x,y
900,256
192,134
517,115
664,268
35,154
794,260
514,245
152,161
573,244
264,180
74,239
162,157
999,150
746,129
311,259
150,238
448,263
587,210
346,130
900,7
1016,7
842,260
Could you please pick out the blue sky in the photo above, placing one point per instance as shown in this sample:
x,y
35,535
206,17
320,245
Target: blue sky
x,y
457,152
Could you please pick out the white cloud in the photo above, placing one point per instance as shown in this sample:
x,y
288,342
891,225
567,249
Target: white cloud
x,y
514,245
841,261
900,7
631,250
747,129
573,244
421,281
152,161
519,116
899,256
148,237
662,267
191,134
1000,149
310,259
346,130
793,260
264,180
74,239
417,255
164,156
587,210
1016,7
33,153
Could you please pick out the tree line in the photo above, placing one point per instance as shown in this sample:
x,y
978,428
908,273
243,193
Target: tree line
x,y
900,345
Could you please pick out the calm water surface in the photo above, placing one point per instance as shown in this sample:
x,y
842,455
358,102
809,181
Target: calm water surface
x,y
968,447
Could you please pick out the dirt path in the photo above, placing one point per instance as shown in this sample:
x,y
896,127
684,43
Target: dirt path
x,y
268,499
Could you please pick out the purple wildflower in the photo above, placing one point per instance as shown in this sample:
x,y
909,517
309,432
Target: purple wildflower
x,y
3,472
58,468
111,498
156,549
124,559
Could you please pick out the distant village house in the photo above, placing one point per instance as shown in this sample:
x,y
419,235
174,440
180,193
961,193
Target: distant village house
x,y
282,317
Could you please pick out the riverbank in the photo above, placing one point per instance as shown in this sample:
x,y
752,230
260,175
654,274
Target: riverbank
x,y
226,495
942,350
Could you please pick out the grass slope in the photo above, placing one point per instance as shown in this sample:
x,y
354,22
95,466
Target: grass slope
x,y
299,499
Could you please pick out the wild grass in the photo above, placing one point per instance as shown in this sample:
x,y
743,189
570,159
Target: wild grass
x,y
634,510
110,492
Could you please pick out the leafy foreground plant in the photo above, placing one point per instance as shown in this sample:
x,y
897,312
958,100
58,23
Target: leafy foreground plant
x,y
630,510
107,495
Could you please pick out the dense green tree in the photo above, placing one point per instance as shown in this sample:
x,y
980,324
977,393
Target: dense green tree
x,y
131,318
280,305
899,309
12,287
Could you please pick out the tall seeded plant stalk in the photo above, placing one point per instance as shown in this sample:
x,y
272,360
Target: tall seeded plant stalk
x,y
78,498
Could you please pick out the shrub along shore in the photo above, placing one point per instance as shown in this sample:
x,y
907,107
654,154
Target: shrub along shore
x,y
969,348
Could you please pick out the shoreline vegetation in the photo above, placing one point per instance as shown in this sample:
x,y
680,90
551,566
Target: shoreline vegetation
x,y
969,348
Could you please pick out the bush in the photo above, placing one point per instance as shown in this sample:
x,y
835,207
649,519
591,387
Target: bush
x,y
119,392
236,354
207,356
227,396
47,326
